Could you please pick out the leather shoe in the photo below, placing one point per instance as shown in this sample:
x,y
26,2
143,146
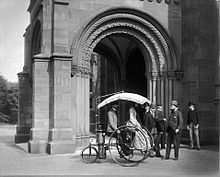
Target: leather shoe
x,y
176,158
166,158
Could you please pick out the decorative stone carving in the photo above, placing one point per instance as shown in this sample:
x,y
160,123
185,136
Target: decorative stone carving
x,y
168,1
162,75
179,74
129,21
154,75
109,30
78,71
177,2
145,43
170,74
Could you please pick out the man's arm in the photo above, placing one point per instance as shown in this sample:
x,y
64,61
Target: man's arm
x,y
180,120
111,117
197,118
188,122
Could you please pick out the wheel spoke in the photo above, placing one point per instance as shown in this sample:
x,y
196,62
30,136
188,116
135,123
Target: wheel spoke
x,y
126,151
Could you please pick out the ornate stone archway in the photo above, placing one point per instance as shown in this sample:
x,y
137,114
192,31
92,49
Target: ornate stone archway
x,y
151,35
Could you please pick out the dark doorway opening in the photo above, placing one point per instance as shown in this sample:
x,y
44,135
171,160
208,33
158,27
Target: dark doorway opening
x,y
135,73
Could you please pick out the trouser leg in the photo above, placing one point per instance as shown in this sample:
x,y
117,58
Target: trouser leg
x,y
176,145
196,132
191,135
169,142
157,144
163,137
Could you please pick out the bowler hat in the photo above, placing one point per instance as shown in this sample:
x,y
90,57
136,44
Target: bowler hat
x,y
174,102
191,103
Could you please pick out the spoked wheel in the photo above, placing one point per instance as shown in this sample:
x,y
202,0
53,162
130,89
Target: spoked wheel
x,y
129,146
89,154
150,140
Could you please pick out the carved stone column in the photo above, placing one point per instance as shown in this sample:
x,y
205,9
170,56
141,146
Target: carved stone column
x,y
158,89
170,77
154,76
80,104
162,89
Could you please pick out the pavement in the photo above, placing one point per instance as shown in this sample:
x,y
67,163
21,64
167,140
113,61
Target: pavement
x,y
16,161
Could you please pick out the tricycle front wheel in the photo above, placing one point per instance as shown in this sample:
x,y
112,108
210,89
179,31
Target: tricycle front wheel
x,y
89,154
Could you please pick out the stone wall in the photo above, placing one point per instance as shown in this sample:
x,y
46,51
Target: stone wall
x,y
200,57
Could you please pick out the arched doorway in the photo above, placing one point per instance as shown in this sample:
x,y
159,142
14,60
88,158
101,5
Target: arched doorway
x,y
121,36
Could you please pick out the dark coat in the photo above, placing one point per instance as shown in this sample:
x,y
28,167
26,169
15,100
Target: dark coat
x,y
192,117
175,121
159,122
148,120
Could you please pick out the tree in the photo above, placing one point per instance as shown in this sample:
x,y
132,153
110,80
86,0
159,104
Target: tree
x,y
8,101
12,102
3,94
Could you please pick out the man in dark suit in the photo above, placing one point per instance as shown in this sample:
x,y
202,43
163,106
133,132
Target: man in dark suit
x,y
174,125
162,121
160,126
148,118
193,125
149,123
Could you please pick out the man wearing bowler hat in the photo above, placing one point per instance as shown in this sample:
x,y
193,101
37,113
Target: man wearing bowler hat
x,y
174,125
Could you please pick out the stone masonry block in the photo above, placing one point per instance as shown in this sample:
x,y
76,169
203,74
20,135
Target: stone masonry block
x,y
39,134
61,134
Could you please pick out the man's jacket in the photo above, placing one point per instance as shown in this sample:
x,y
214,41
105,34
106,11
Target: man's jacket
x,y
175,120
159,122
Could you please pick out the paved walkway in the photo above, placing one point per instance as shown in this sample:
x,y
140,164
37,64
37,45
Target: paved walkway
x,y
15,160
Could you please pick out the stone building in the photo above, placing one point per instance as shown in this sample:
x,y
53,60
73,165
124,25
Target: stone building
x,y
78,50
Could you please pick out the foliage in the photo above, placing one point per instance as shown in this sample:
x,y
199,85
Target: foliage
x,y
8,101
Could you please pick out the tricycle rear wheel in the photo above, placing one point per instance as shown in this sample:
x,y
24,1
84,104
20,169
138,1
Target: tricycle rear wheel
x,y
123,146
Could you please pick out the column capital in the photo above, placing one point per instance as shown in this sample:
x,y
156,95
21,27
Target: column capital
x,y
162,75
154,75
170,74
179,74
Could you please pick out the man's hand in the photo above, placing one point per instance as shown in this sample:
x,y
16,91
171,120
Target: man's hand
x,y
118,131
187,127
177,130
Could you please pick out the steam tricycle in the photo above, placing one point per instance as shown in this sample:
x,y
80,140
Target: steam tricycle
x,y
123,144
